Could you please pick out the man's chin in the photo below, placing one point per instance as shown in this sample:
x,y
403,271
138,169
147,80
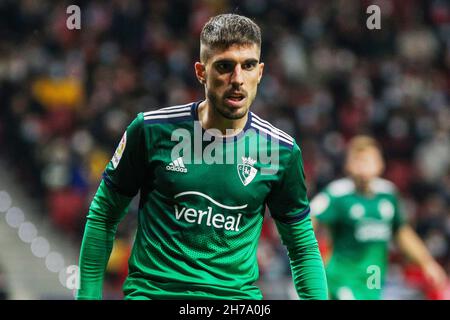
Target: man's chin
x,y
233,113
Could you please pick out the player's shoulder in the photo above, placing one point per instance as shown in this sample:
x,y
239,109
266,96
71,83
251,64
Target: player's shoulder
x,y
341,187
268,130
346,186
171,114
380,185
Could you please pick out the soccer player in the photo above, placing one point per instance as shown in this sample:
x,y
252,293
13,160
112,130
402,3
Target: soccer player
x,y
199,221
362,214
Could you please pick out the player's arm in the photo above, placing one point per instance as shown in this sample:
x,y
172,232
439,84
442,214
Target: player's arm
x,y
414,248
324,215
315,223
106,211
121,181
289,206
306,262
323,236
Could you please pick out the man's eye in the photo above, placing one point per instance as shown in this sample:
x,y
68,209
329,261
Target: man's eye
x,y
249,66
224,67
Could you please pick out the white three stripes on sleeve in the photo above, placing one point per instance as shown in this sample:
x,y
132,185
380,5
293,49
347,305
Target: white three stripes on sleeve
x,y
169,112
269,126
254,125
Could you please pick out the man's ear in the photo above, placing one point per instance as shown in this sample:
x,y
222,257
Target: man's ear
x,y
200,72
261,69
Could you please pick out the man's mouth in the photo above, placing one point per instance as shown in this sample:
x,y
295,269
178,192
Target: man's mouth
x,y
235,99
236,96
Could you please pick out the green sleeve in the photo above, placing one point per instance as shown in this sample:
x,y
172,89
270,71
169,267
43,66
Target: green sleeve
x,y
125,172
399,213
306,262
288,201
122,180
289,206
106,211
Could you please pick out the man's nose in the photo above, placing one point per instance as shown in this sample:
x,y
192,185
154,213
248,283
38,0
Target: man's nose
x,y
237,78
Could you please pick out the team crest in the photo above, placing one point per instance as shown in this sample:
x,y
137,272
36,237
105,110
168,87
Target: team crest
x,y
246,171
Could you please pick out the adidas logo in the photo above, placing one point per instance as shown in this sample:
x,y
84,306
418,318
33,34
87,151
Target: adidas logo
x,y
177,165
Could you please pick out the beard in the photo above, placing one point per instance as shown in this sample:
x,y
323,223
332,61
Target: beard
x,y
226,112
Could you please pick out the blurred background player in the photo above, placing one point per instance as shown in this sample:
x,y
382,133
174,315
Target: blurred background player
x,y
362,213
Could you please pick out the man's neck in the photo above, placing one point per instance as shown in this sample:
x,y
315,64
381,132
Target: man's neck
x,y
363,187
209,118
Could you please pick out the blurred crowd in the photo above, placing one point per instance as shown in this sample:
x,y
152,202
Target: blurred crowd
x,y
67,95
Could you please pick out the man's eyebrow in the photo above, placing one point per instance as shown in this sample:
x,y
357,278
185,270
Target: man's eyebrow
x,y
251,60
224,61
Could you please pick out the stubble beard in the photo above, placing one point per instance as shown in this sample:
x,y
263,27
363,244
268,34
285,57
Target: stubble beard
x,y
224,111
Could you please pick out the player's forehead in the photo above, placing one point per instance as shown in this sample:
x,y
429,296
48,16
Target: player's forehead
x,y
368,152
234,52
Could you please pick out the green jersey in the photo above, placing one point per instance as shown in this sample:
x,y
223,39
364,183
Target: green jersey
x,y
202,203
361,228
